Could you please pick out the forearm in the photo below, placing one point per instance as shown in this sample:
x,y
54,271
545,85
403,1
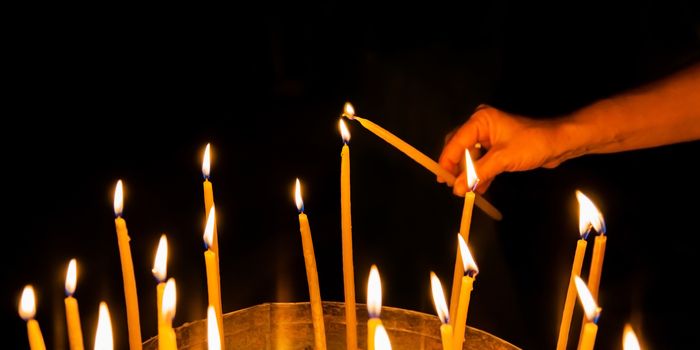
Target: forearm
x,y
662,113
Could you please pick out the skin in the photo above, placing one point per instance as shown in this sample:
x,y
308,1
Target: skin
x,y
662,113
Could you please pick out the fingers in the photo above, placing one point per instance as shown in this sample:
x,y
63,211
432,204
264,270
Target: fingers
x,y
466,136
487,168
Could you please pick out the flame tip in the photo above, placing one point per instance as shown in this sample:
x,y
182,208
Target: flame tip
x,y
27,303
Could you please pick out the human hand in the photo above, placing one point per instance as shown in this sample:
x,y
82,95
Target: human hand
x,y
513,143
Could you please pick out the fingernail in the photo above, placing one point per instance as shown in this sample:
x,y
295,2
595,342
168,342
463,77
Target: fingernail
x,y
459,188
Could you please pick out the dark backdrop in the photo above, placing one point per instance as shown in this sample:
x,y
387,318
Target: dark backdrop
x,y
92,95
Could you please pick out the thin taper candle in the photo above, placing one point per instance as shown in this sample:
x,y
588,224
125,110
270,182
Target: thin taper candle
x,y
470,272
209,196
75,332
464,227
311,273
160,272
130,295
443,312
591,311
213,282
346,226
27,311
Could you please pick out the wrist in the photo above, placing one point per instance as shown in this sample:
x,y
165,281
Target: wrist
x,y
586,131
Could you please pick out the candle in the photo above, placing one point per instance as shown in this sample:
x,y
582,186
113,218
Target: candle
x,y
381,339
346,225
213,334
166,334
442,311
311,273
209,196
160,272
629,339
586,218
374,304
471,270
27,310
103,335
75,332
418,156
464,227
597,223
132,303
212,264
592,312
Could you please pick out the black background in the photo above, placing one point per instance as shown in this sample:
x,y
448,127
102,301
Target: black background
x,y
93,95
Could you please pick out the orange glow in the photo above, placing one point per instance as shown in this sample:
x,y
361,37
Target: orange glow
x,y
297,197
381,339
206,163
439,299
103,336
374,293
27,303
209,229
344,132
169,301
467,258
213,339
118,199
71,277
349,111
590,308
472,177
589,216
160,264
629,339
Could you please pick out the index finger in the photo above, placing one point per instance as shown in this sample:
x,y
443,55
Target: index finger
x,y
453,152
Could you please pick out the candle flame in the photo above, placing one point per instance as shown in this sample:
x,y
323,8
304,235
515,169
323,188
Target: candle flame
x,y
214,341
206,163
629,339
209,229
297,197
27,303
103,336
71,277
381,339
439,299
374,293
344,132
589,216
472,177
467,258
118,199
160,264
590,308
349,111
169,301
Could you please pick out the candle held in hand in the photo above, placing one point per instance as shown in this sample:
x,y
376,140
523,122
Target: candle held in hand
x,y
311,273
75,332
212,265
442,311
374,304
132,302
592,313
160,272
27,310
346,226
470,272
418,156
